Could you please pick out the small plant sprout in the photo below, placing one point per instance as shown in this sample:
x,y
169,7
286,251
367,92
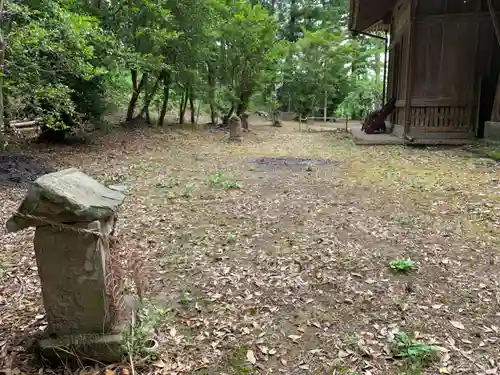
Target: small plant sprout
x,y
252,167
231,238
309,167
418,353
137,340
188,190
403,265
186,299
219,180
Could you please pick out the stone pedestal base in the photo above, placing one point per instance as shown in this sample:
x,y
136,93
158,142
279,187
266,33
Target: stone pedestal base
x,y
103,347
492,130
83,347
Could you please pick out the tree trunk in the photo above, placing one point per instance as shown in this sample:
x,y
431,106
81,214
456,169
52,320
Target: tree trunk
x,y
198,111
243,103
378,67
325,105
150,96
2,62
183,106
191,106
225,120
137,88
211,92
166,92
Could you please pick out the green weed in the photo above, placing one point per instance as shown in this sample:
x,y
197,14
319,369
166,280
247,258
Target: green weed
x,y
417,353
188,190
219,180
495,155
149,317
402,265
231,238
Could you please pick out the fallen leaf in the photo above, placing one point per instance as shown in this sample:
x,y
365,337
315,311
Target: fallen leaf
x,y
159,364
457,324
444,370
343,354
251,357
264,349
294,338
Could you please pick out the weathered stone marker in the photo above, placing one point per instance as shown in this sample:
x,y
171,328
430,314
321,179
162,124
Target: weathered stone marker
x,y
244,121
74,216
235,129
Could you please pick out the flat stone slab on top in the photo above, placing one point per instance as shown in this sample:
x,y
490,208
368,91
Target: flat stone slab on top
x,y
66,196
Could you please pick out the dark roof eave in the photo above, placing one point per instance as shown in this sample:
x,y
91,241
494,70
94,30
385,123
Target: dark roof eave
x,y
372,13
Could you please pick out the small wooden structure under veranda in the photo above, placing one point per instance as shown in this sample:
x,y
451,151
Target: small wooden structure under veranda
x,y
444,65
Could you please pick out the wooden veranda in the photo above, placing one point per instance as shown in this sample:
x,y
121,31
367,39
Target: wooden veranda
x,y
444,63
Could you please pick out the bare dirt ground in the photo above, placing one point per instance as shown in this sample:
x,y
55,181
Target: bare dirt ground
x,y
272,256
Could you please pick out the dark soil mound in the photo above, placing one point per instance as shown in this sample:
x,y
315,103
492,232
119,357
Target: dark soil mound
x,y
289,162
21,169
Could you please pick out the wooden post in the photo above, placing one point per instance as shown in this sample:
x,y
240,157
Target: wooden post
x,y
324,107
384,87
495,112
409,63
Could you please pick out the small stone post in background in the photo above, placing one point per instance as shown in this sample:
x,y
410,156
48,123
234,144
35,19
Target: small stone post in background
x,y
244,121
74,216
235,129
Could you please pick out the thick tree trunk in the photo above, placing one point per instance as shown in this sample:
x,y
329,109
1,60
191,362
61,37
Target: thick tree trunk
x,y
243,103
225,120
191,107
166,93
183,105
150,96
137,88
2,62
211,93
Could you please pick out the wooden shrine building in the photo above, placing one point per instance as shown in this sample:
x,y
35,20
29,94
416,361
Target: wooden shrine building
x,y
444,65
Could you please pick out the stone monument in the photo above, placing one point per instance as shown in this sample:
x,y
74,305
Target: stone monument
x,y
75,217
235,129
244,121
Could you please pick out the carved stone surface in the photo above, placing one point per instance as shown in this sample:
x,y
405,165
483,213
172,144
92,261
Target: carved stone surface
x,y
66,196
235,129
72,268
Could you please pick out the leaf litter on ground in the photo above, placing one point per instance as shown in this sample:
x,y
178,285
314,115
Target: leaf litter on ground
x,y
292,267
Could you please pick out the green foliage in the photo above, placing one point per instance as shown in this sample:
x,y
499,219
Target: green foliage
x,y
364,97
418,353
402,265
219,180
52,63
149,317
76,61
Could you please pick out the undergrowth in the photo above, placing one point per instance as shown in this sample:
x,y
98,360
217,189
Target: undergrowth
x,y
220,181
417,355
